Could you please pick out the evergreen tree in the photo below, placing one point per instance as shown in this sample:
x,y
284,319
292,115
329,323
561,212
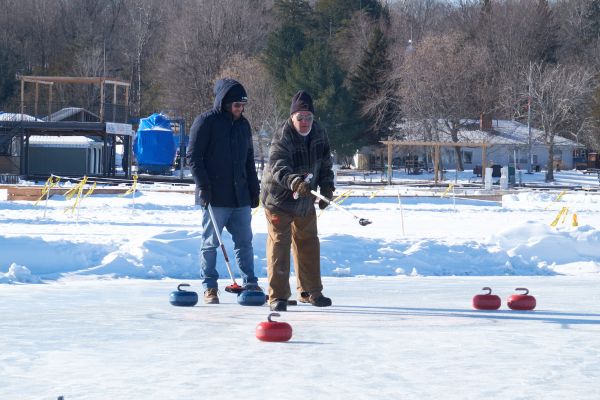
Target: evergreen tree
x,y
316,71
286,42
9,60
282,46
373,91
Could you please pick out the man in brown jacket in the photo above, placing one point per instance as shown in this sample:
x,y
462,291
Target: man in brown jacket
x,y
298,149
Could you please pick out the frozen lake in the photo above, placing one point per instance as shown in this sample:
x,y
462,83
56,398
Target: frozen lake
x,y
384,337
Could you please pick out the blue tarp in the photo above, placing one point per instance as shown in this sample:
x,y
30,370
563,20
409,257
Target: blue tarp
x,y
154,146
186,140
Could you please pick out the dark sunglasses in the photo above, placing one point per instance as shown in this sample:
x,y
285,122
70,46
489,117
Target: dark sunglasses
x,y
307,118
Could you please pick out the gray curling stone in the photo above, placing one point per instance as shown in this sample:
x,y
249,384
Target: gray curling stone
x,y
183,298
251,298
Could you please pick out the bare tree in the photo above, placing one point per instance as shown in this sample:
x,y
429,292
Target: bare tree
x,y
502,27
262,110
446,79
145,19
89,62
593,139
41,39
560,100
415,19
207,34
579,31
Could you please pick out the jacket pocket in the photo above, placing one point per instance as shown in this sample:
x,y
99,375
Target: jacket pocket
x,y
281,195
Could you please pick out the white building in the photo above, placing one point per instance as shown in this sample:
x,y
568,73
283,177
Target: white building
x,y
507,143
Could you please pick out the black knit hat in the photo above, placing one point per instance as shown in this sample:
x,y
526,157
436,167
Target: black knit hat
x,y
237,93
301,102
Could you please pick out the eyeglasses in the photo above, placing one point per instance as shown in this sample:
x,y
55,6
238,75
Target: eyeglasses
x,y
307,118
238,104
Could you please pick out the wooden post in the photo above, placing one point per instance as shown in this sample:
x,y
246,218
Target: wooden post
x,y
114,102
50,102
436,163
389,155
22,97
101,100
483,161
105,154
37,95
127,103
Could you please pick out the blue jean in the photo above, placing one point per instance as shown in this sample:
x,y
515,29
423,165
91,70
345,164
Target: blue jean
x,y
238,223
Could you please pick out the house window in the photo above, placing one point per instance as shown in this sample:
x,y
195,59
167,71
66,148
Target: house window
x,y
579,153
467,157
557,155
5,148
450,155
521,157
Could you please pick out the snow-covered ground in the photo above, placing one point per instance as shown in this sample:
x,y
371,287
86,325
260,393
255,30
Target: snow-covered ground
x,y
401,325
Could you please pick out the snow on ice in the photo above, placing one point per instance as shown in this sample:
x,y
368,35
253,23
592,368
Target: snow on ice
x,y
85,311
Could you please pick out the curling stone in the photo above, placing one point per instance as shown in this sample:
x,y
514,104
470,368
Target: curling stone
x,y
183,298
273,331
251,298
486,301
521,301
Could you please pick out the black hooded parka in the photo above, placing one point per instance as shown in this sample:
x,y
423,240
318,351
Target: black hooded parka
x,y
221,154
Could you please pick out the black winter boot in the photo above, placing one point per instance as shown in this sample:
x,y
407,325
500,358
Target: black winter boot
x,y
279,305
320,301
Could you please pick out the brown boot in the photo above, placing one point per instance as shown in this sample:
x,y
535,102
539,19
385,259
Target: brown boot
x,y
304,297
211,296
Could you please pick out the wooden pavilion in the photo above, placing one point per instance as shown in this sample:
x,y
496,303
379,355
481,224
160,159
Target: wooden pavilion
x,y
36,119
436,151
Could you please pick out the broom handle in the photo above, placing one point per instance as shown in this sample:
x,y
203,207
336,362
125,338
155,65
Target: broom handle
x,y
333,203
216,228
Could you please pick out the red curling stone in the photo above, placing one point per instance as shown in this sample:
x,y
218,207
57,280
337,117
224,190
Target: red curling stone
x,y
273,331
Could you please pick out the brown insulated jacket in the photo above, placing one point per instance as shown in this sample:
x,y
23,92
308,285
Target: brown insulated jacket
x,y
289,157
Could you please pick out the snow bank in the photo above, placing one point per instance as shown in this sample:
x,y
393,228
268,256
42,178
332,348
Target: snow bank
x,y
18,274
555,249
159,236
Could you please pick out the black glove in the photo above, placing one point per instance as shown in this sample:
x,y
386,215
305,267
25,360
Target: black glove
x,y
301,187
328,193
205,197
254,201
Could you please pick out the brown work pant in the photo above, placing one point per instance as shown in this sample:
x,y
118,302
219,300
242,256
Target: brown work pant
x,y
299,234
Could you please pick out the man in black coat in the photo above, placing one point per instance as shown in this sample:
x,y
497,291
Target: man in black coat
x,y
221,158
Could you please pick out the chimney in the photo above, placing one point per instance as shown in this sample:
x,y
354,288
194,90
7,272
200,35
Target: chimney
x,y
485,122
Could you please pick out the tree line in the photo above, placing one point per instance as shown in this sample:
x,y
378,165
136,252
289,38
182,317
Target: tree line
x,y
369,64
